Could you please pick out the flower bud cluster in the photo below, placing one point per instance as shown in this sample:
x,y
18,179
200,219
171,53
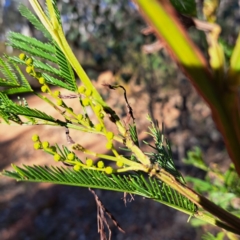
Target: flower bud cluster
x,y
31,71
97,108
38,144
70,158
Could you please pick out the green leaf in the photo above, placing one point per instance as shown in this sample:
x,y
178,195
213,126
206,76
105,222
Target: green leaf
x,y
25,12
4,113
47,69
31,42
8,72
66,70
134,183
14,81
46,51
55,81
195,158
163,153
31,46
133,133
209,236
26,111
199,185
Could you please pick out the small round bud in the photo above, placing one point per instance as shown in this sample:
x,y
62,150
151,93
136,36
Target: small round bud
x,y
77,168
22,56
60,102
109,145
29,69
88,92
81,89
98,108
71,156
56,93
29,61
110,135
119,163
57,157
37,145
101,115
99,127
100,164
44,88
85,102
35,137
45,144
41,80
80,117
89,162
109,170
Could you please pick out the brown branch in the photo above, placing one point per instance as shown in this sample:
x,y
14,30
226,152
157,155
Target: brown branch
x,y
101,211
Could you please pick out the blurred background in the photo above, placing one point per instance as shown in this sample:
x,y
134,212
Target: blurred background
x,y
107,38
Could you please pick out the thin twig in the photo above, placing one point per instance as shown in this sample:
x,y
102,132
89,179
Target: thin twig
x,y
130,110
101,210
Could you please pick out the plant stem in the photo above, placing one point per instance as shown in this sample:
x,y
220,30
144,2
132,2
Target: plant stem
x,y
228,218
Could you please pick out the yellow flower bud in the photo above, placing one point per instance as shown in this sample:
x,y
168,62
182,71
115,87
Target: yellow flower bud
x,y
60,102
109,145
37,145
88,92
77,168
57,157
44,88
89,162
119,163
101,115
109,135
71,156
85,102
22,56
29,69
29,61
35,137
109,170
81,89
98,108
45,144
99,127
56,93
100,164
42,80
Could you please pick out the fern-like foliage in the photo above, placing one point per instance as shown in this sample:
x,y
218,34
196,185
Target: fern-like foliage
x,y
13,79
4,113
131,183
47,57
162,153
11,111
25,12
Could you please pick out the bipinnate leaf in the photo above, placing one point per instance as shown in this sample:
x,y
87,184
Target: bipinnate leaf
x,y
131,183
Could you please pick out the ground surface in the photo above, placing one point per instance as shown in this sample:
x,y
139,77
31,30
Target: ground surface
x,y
34,211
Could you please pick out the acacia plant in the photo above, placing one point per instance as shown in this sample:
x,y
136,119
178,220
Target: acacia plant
x,y
152,175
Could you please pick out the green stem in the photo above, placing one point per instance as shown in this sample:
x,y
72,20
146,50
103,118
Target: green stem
x,y
227,218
